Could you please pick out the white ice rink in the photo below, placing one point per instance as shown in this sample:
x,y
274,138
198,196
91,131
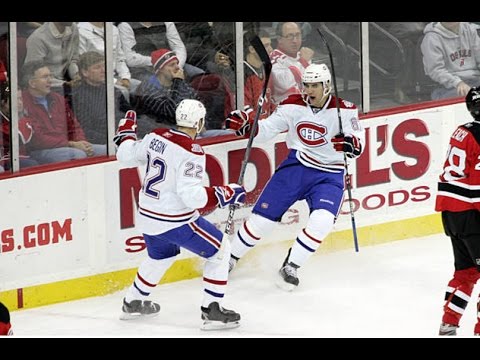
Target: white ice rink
x,y
390,290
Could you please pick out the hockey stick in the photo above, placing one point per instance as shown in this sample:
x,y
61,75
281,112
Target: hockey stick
x,y
347,175
267,66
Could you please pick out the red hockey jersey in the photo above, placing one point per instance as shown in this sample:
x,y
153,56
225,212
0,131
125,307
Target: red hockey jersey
x,y
459,185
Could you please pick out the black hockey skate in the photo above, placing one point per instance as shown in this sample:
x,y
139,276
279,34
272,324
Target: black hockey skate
x,y
288,275
447,330
217,318
139,309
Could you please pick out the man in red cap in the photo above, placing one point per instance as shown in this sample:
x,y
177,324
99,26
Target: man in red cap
x,y
161,57
158,96
5,326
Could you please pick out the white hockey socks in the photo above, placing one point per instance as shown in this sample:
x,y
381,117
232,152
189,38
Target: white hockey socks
x,y
149,274
309,239
215,274
250,233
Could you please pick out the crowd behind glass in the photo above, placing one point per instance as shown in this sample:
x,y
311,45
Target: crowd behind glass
x,y
70,82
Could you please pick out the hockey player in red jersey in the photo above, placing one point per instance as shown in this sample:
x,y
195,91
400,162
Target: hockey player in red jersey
x,y
5,326
167,215
313,171
458,199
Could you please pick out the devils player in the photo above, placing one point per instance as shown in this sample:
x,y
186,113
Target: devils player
x,y
314,170
5,326
458,199
171,193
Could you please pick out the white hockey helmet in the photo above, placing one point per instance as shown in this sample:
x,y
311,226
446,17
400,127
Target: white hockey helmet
x,y
316,73
191,113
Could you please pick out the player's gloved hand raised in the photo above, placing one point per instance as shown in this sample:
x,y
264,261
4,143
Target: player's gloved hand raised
x,y
231,194
127,128
349,144
240,121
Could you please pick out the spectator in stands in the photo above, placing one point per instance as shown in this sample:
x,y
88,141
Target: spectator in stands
x,y
289,60
408,33
140,39
254,75
89,99
199,40
220,101
92,38
158,96
58,134
222,64
221,67
451,57
56,45
4,40
24,30
25,130
3,72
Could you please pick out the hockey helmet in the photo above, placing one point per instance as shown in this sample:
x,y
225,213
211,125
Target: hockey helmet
x,y
473,102
191,113
316,73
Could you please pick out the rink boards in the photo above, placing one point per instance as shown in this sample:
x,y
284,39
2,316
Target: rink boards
x,y
70,234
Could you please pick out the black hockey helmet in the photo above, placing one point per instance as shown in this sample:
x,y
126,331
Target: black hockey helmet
x,y
473,102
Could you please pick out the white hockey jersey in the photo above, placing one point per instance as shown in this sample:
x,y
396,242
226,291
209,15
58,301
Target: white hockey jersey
x,y
172,189
286,75
310,130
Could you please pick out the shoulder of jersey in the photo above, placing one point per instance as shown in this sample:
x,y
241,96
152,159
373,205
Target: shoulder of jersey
x,y
473,128
294,99
471,124
181,139
297,99
343,104
276,55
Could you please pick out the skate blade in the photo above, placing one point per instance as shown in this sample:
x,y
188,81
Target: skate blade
x,y
136,316
282,284
209,325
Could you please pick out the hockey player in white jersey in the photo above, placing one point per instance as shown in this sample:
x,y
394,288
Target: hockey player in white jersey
x,y
171,193
313,171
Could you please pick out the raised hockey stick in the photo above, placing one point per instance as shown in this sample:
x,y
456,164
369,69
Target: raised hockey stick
x,y
347,175
267,66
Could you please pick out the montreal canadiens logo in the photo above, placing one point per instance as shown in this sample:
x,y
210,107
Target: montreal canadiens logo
x,y
311,134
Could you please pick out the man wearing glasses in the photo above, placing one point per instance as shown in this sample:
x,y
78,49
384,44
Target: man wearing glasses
x,y
289,60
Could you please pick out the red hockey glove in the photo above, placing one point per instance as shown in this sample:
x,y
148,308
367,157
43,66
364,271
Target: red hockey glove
x,y
25,130
240,121
349,144
231,194
127,128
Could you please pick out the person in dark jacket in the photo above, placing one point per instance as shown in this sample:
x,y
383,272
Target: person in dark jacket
x,y
158,96
89,99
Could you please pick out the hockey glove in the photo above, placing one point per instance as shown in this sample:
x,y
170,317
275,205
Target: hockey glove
x,y
25,130
349,144
231,194
127,128
240,121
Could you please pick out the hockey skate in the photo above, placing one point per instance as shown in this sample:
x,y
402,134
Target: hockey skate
x,y
288,275
232,262
139,309
217,318
447,330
